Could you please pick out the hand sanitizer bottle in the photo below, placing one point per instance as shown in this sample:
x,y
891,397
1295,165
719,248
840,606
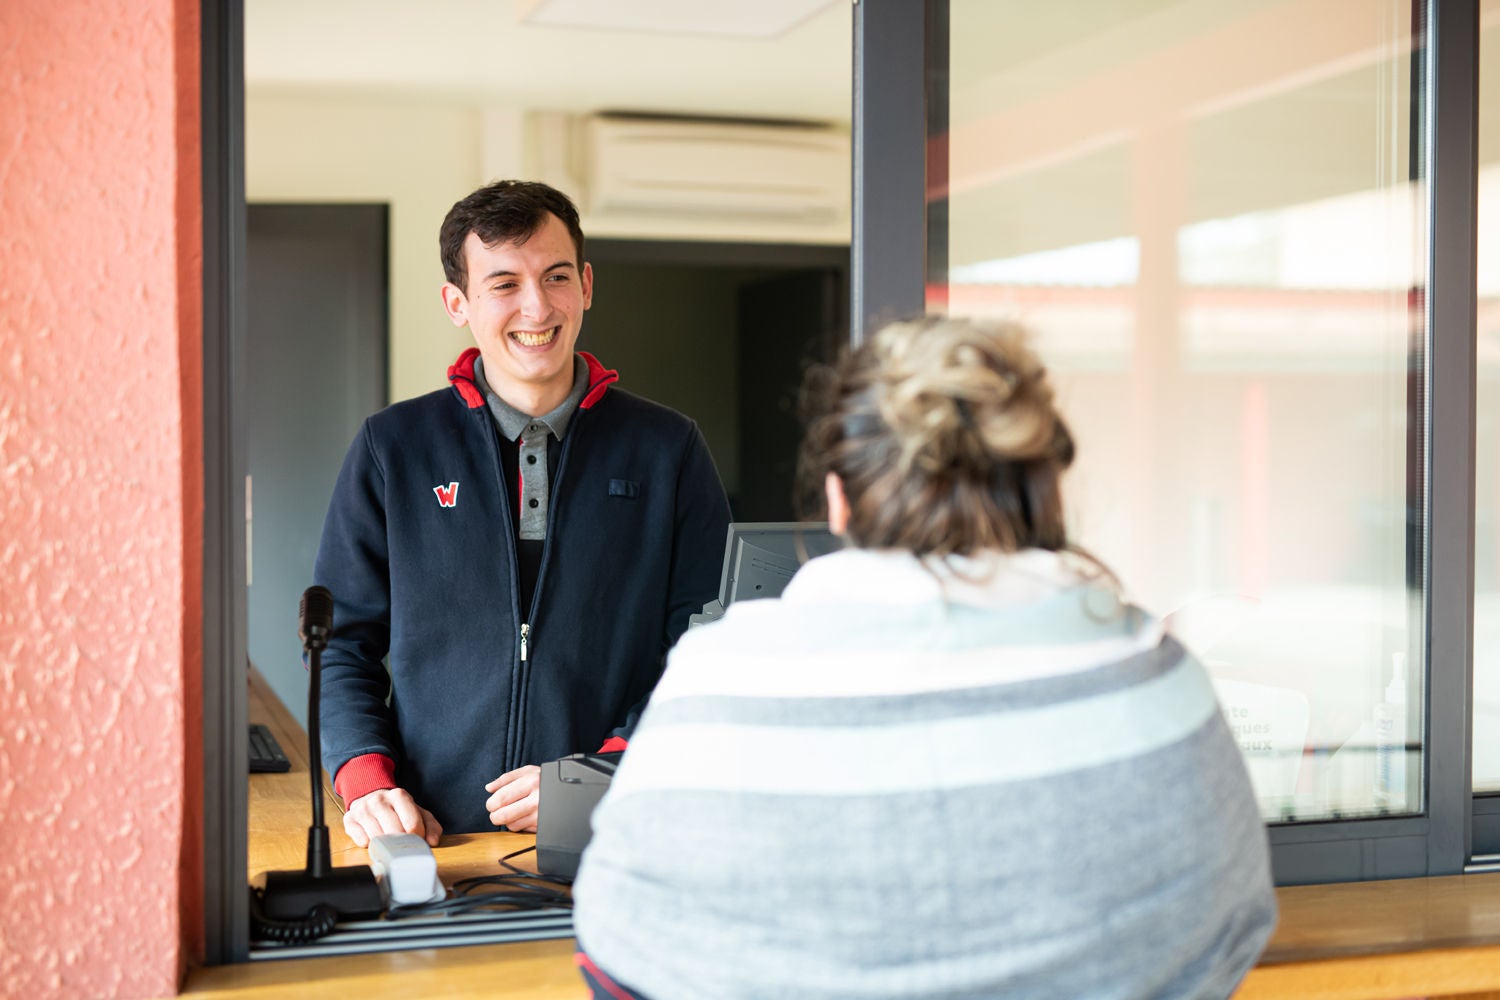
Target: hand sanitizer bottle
x,y
1390,740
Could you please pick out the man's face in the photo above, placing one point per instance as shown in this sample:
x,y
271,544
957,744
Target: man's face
x,y
524,305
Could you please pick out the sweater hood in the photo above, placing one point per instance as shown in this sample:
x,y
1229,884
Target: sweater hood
x,y
461,374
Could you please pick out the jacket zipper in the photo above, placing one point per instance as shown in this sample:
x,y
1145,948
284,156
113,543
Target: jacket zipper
x,y
517,730
512,744
541,570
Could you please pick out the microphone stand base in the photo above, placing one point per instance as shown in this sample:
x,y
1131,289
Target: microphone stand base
x,y
352,891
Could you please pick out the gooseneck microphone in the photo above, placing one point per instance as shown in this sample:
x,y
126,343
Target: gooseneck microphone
x,y
298,906
314,623
315,618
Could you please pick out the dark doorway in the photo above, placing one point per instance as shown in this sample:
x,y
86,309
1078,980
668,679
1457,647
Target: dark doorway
x,y
723,333
316,360
785,323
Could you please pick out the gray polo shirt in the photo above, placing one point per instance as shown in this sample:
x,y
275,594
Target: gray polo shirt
x,y
534,437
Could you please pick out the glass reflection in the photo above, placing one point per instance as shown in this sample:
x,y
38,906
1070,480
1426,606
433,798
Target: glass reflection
x,y
1211,216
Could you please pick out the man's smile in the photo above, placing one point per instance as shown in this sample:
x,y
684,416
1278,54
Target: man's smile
x,y
537,338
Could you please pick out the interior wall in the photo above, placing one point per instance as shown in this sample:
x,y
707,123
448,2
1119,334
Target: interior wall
x,y
419,158
100,447
670,330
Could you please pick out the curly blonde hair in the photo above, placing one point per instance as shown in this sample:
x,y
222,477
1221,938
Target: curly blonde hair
x,y
945,435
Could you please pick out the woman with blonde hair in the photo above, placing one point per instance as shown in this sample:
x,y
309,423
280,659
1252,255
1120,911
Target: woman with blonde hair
x,y
950,760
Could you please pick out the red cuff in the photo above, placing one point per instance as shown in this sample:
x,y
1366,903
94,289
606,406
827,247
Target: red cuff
x,y
363,775
612,745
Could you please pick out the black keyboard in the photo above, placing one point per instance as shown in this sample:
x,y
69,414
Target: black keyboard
x,y
265,752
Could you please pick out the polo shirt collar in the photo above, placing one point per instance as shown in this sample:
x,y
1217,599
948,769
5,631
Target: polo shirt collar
x,y
512,421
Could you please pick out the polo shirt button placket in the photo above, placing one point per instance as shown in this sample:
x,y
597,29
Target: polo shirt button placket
x,y
534,486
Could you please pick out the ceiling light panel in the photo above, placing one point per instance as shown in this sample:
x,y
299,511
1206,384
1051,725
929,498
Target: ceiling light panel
x,y
760,19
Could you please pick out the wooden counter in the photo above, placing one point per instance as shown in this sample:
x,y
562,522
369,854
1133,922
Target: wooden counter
x,y
1420,937
278,822
1432,937
280,815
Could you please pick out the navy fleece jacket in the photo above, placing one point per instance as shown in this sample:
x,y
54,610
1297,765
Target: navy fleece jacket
x,y
418,551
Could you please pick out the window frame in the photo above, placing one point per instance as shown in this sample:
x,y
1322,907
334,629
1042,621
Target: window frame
x,y
225,716
891,110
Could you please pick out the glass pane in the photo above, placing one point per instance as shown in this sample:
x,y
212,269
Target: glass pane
x,y
1487,469
1210,214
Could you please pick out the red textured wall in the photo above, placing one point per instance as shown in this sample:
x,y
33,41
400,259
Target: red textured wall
x,y
99,510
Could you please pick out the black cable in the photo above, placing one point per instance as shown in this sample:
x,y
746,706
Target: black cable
x,y
319,921
516,854
511,889
559,879
517,891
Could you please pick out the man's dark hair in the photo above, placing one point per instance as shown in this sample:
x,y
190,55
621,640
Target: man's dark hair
x,y
503,212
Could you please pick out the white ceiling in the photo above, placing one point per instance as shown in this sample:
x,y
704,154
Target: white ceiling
x,y
476,52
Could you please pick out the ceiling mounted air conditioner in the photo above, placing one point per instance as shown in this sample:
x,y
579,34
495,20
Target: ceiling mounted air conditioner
x,y
714,168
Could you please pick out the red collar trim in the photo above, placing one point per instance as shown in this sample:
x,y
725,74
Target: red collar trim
x,y
600,379
461,374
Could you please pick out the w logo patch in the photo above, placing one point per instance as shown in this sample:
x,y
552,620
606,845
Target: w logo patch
x,y
447,495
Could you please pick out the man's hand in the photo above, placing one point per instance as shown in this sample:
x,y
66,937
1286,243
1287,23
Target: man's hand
x,y
389,810
514,799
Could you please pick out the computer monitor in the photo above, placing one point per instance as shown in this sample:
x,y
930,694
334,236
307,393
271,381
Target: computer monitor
x,y
760,557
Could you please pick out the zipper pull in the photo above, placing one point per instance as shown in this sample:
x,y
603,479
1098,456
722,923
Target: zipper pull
x,y
525,632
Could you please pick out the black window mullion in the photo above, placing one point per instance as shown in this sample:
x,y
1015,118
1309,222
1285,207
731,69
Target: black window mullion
x,y
225,698
1452,72
887,250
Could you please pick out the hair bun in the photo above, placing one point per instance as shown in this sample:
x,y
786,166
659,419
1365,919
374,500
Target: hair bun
x,y
943,436
960,398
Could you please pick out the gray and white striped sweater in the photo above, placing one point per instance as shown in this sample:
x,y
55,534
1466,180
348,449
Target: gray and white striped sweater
x,y
980,778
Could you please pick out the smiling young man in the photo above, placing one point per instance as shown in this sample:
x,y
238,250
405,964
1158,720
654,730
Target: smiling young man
x,y
523,546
